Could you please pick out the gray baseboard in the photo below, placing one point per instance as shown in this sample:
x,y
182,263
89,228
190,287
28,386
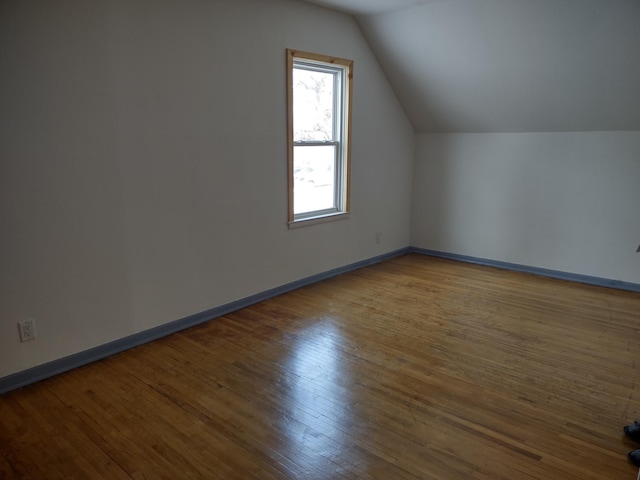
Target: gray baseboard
x,y
544,272
55,367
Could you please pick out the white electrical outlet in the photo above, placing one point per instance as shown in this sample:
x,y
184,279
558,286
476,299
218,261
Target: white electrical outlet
x,y
378,237
27,330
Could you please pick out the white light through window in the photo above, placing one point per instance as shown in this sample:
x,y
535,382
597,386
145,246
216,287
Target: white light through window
x,y
319,121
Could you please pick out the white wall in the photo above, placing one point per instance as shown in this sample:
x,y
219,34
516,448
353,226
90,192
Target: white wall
x,y
143,163
562,201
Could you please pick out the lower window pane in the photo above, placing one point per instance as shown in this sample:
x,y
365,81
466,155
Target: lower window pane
x,y
313,178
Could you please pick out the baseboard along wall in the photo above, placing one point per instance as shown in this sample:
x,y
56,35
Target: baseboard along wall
x,y
543,272
55,367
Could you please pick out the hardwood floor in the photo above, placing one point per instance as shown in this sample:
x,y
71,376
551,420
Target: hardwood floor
x,y
416,368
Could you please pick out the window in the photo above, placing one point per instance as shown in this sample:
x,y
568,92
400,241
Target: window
x,y
319,121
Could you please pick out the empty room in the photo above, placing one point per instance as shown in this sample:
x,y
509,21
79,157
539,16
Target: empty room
x,y
319,239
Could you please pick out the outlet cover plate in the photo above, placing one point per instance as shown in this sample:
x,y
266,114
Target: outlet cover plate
x,y
27,329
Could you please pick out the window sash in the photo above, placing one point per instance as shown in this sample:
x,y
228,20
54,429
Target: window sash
x,y
316,175
337,132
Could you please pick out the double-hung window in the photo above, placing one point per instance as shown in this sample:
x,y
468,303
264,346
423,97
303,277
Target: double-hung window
x,y
319,121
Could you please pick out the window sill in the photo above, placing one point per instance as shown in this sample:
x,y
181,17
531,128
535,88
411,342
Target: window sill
x,y
306,222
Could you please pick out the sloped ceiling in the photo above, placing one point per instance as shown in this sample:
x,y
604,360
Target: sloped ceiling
x,y
508,65
368,7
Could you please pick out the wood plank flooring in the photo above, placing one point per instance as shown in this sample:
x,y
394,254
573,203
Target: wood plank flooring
x,y
416,368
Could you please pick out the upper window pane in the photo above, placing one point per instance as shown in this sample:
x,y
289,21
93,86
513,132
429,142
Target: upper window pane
x,y
313,105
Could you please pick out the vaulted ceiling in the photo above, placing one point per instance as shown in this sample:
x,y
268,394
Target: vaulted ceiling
x,y
368,7
508,65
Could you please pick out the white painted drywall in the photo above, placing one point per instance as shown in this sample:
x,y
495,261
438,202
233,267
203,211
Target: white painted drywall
x,y
462,66
368,7
143,163
562,201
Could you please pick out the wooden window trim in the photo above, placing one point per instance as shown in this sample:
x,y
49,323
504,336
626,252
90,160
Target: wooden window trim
x,y
346,137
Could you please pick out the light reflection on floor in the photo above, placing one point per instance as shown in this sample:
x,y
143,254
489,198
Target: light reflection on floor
x,y
319,394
